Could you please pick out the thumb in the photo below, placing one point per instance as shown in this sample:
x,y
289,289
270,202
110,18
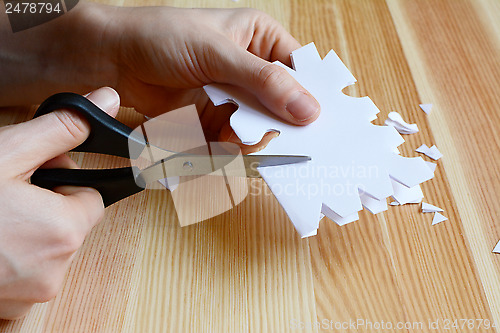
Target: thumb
x,y
34,142
273,85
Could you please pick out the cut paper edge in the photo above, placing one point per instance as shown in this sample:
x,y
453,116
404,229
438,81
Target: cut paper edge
x,y
252,120
426,108
497,248
422,149
438,218
431,166
337,218
432,152
375,206
396,120
428,208
404,195
312,233
401,129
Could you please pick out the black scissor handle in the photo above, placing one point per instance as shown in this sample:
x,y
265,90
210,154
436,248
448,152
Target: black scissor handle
x,y
107,135
113,184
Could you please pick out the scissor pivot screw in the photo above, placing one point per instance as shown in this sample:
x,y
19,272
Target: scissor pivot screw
x,y
188,166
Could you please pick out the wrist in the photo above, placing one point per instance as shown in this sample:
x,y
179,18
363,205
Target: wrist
x,y
94,46
81,56
74,52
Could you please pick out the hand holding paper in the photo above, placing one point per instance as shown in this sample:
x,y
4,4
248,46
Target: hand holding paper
x,y
354,163
157,58
163,59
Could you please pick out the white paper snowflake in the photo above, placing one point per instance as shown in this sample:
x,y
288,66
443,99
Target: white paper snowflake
x,y
354,163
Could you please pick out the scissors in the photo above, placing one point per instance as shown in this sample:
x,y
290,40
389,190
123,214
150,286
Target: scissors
x,y
111,137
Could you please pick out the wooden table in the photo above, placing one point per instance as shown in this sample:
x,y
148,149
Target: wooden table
x,y
247,270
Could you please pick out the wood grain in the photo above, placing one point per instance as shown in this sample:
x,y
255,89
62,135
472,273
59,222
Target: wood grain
x,y
248,271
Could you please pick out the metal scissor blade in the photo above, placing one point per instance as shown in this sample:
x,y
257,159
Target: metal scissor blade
x,y
199,165
273,160
252,162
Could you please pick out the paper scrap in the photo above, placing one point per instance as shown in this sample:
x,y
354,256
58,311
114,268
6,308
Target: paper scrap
x,y
431,165
426,108
403,194
375,206
428,208
497,248
422,149
438,218
416,201
395,120
361,158
432,152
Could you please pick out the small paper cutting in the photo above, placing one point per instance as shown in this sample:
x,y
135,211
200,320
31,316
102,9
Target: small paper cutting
x,y
395,120
438,218
432,152
428,208
497,248
426,108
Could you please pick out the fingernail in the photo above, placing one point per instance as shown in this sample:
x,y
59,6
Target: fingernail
x,y
302,106
105,98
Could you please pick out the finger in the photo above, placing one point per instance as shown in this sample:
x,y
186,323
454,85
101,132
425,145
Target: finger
x,y
271,41
86,203
271,84
32,143
153,100
11,310
228,135
282,49
213,118
60,162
